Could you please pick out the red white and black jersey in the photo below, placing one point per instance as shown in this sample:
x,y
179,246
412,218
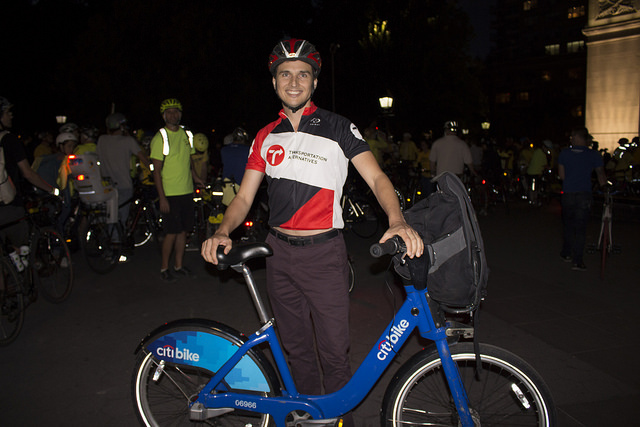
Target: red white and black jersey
x,y
307,169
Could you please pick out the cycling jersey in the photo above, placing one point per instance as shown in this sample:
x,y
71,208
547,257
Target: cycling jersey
x,y
306,170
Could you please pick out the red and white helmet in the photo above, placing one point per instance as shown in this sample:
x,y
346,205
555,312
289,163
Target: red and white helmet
x,y
295,50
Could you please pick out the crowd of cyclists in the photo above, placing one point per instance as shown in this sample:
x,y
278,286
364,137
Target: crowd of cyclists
x,y
511,169
507,170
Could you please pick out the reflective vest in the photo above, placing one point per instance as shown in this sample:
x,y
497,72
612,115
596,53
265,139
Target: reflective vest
x,y
165,140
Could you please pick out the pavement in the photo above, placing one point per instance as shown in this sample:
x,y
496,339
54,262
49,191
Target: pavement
x,y
72,364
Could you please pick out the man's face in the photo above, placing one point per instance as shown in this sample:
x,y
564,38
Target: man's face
x,y
172,116
7,119
294,83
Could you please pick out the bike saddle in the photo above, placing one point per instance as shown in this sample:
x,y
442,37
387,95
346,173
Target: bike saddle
x,y
242,253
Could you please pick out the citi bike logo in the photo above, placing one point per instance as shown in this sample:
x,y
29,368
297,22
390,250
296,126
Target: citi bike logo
x,y
386,346
175,353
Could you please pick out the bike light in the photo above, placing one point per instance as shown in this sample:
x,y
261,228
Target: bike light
x,y
72,156
80,177
248,224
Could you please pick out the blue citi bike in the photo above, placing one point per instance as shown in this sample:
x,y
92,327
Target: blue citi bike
x,y
201,371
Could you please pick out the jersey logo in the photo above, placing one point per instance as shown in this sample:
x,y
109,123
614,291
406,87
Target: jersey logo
x,y
275,155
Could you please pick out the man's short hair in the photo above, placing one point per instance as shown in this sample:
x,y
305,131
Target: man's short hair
x,y
582,132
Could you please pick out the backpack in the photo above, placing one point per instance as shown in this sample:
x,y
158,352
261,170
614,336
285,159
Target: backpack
x,y
7,188
453,266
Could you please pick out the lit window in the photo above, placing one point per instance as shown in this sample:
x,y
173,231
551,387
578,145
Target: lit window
x,y
552,49
577,46
546,76
577,111
576,12
529,4
503,98
523,96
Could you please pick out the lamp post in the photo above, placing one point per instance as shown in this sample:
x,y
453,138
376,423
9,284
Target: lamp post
x,y
386,104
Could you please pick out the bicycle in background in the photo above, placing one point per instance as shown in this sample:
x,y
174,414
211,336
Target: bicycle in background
x,y
42,267
196,370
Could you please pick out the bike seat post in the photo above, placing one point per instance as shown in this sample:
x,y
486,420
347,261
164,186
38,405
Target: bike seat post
x,y
253,290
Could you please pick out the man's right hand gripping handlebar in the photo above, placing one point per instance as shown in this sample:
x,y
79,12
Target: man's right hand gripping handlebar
x,y
210,247
413,242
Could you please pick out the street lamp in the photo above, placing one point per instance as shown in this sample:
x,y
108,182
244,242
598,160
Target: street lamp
x,y
386,104
485,126
61,120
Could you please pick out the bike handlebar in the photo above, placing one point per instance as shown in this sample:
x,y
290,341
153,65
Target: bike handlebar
x,y
392,246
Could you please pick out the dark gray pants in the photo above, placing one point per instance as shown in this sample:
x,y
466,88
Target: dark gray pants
x,y
309,294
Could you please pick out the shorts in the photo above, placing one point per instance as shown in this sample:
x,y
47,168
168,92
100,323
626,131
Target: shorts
x,y
180,216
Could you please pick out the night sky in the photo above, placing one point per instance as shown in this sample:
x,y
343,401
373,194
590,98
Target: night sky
x,y
80,58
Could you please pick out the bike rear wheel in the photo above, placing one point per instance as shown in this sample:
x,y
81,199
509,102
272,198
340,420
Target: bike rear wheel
x,y
507,392
163,390
52,266
11,303
102,244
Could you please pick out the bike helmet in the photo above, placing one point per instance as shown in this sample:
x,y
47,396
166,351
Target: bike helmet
x,y
295,50
451,125
68,127
170,103
4,104
90,131
200,142
115,121
241,135
66,136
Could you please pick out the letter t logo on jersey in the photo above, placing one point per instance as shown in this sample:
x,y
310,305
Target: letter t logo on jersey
x,y
275,155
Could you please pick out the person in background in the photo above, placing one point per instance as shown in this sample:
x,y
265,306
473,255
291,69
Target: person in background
x,y
575,166
174,175
450,153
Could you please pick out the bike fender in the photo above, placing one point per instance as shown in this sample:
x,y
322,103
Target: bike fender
x,y
208,345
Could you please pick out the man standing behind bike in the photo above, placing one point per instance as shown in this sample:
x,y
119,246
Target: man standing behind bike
x,y
174,174
305,154
114,151
575,166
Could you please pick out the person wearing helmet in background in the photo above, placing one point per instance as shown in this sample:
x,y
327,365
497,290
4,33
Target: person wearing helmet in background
x,y
88,140
114,150
70,128
18,169
450,153
234,154
174,175
305,156
201,157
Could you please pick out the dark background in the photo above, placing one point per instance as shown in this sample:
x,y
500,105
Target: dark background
x,y
81,58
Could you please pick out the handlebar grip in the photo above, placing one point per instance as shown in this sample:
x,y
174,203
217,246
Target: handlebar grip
x,y
390,247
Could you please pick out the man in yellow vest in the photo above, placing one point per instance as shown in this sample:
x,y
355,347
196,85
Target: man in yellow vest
x,y
174,174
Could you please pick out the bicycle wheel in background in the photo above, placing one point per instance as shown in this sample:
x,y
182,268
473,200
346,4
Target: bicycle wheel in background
x,y
11,303
507,391
52,268
101,243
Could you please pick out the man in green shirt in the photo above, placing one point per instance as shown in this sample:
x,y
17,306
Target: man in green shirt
x,y
174,174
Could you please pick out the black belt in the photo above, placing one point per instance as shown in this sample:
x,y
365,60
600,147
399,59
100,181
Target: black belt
x,y
306,240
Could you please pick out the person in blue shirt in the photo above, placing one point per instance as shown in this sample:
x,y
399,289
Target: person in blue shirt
x,y
575,167
235,155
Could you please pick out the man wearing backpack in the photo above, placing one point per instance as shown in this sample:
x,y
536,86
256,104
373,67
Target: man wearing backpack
x,y
174,174
18,168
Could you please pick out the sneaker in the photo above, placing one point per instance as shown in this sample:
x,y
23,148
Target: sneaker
x,y
567,258
579,267
183,272
166,276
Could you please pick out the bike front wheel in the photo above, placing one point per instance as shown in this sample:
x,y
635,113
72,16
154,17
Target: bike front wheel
x,y
11,303
507,391
52,266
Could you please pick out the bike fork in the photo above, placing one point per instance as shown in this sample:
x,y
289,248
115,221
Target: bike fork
x,y
458,392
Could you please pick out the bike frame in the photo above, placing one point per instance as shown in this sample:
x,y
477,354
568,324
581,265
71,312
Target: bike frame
x,y
414,313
